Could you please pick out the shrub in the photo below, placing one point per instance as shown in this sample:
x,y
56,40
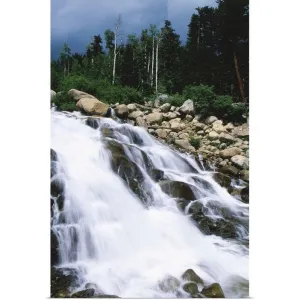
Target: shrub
x,y
195,142
236,112
221,106
64,101
203,97
176,100
78,82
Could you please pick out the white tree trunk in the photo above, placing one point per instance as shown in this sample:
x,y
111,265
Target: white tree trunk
x,y
156,69
115,48
152,63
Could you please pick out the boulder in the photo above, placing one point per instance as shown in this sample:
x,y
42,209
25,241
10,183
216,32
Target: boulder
x,y
77,95
210,120
184,144
54,249
177,189
165,124
190,275
165,107
187,108
160,100
230,170
213,291
135,114
176,125
172,108
170,115
242,131
213,135
240,161
226,138
92,106
154,117
229,127
122,111
183,136
189,118
162,133
200,126
244,174
191,288
230,152
169,284
245,194
88,293
218,127
131,107
141,122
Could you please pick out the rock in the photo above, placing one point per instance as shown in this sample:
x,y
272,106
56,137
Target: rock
x,y
77,95
172,108
165,107
183,136
105,296
88,293
213,135
244,174
213,291
177,189
223,180
242,131
215,143
230,152
245,194
247,153
223,163
165,124
169,284
226,138
154,117
135,114
170,115
230,170
210,120
218,127
92,106
185,144
162,133
131,107
54,249
176,124
141,122
190,275
200,126
53,94
173,134
187,108
122,111
240,161
161,99
229,127
189,118
191,288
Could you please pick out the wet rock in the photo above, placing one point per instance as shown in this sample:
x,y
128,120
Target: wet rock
x,y
190,275
177,189
62,280
230,170
245,194
244,174
223,180
53,159
213,291
105,296
93,122
54,249
169,284
88,293
191,288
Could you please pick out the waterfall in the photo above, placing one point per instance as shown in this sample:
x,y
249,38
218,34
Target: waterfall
x,y
120,229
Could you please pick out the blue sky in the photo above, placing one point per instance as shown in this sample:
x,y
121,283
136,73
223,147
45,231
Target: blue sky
x,y
77,21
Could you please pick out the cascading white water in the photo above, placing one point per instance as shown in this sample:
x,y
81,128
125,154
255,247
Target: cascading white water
x,y
122,245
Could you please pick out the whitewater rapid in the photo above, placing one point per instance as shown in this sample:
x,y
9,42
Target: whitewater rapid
x,y
113,239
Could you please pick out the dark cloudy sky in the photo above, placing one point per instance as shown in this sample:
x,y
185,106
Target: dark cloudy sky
x,y
76,21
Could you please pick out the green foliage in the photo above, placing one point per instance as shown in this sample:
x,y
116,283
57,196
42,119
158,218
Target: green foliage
x,y
236,112
176,100
203,97
195,142
221,106
64,101
78,82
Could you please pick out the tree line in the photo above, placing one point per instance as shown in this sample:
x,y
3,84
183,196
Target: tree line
x,y
216,54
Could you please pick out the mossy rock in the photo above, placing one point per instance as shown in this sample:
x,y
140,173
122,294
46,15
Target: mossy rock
x,y
169,284
56,187
223,180
191,288
88,293
54,249
92,122
177,189
190,275
213,291
245,194
62,280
